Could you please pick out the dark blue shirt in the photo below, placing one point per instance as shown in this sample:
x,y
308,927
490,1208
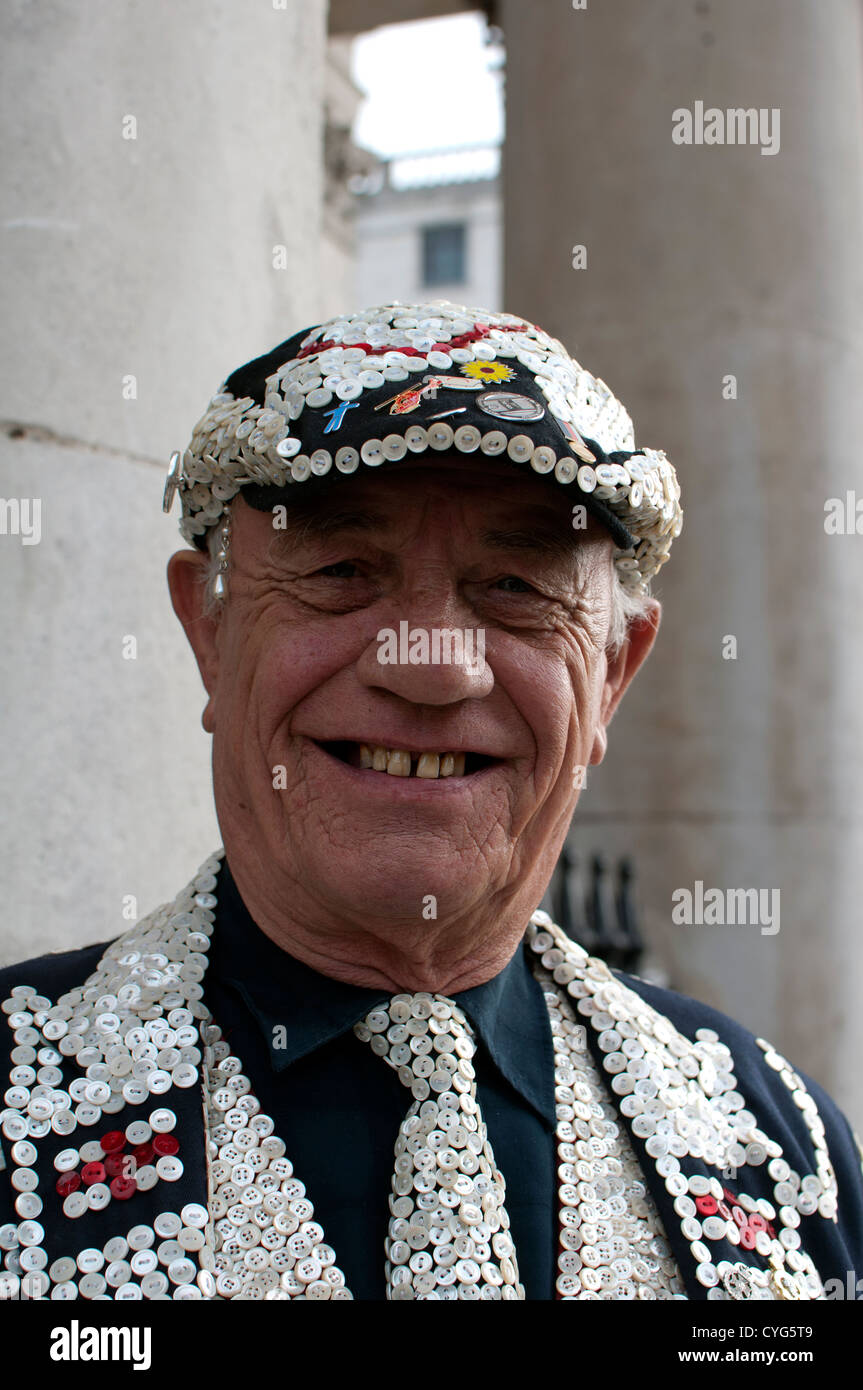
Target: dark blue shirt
x,y
338,1106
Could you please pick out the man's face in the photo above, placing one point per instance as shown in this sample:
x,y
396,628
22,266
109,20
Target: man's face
x,y
296,683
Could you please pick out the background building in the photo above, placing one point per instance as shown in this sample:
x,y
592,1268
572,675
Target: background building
x,y
429,227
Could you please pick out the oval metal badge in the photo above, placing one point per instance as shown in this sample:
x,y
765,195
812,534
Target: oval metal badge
x,y
506,405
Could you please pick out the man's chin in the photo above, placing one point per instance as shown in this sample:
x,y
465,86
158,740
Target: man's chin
x,y
402,888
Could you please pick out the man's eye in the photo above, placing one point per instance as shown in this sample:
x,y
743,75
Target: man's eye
x,y
514,585
338,570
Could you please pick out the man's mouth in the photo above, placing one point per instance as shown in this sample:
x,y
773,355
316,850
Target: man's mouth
x,y
400,762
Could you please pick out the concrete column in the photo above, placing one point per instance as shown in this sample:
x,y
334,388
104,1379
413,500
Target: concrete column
x,y
705,262
163,177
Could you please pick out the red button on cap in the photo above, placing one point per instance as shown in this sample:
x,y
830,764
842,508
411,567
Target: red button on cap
x,y
113,1141
93,1172
68,1183
142,1154
747,1238
165,1144
123,1188
115,1165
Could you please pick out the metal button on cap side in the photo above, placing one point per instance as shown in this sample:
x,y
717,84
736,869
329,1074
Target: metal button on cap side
x,y
493,442
394,447
349,390
320,463
520,448
347,459
467,438
543,459
372,452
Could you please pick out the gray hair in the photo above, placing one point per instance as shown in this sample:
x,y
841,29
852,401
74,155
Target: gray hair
x,y
627,607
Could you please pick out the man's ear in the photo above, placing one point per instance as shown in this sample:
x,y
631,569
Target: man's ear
x,y
186,571
621,668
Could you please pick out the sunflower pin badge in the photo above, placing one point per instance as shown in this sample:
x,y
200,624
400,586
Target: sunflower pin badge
x,y
488,371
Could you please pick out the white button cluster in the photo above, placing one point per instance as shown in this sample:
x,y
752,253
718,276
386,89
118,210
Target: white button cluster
x,y
257,1237
449,1229
238,441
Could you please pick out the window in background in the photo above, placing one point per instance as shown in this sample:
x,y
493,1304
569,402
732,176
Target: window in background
x,y
444,252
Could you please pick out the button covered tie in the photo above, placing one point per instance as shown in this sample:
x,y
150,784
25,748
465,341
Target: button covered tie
x,y
449,1229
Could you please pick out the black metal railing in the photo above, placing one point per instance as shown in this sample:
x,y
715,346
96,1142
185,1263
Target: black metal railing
x,y
594,903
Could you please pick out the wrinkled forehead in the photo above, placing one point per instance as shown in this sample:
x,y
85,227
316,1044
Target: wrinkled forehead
x,y
485,501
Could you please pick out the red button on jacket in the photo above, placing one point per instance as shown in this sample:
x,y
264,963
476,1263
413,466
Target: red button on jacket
x,y
123,1188
707,1205
165,1145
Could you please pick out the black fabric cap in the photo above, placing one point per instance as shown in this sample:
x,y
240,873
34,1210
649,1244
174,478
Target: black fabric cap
x,y
359,420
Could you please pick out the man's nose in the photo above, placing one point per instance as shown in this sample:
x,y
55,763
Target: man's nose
x,y
429,653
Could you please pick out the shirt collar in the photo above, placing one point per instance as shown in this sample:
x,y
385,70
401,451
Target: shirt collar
x,y
298,1010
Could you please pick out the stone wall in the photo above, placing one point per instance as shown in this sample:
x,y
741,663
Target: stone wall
x,y
708,262
163,177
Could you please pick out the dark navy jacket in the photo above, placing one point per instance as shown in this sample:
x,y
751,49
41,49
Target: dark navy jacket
x,y
338,1110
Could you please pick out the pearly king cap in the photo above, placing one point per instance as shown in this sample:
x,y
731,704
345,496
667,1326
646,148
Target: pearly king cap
x,y
386,382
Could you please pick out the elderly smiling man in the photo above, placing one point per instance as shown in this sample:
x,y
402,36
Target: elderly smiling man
x,y
413,1084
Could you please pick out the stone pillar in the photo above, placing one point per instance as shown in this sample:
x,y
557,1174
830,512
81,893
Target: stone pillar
x,y
706,262
163,209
